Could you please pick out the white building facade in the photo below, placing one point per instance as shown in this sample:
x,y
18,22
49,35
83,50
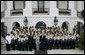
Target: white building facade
x,y
45,11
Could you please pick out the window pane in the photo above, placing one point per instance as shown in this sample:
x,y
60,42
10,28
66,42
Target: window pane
x,y
62,4
41,5
19,4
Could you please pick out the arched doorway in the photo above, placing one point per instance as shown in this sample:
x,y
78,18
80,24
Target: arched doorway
x,y
41,25
16,24
65,25
80,26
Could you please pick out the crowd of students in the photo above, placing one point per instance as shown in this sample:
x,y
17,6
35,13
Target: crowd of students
x,y
24,38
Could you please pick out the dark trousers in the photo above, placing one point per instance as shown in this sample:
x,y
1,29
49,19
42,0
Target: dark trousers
x,y
62,44
69,44
19,45
54,44
41,46
22,46
46,45
49,45
13,46
8,47
65,44
57,44
30,46
33,45
73,46
26,46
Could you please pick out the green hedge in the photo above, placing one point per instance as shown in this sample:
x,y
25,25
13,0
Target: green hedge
x,y
81,40
82,13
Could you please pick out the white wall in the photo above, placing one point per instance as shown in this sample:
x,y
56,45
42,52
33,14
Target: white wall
x,y
28,9
33,19
53,9
9,7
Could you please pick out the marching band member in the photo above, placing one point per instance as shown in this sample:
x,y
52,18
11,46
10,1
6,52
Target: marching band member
x,y
58,41
50,38
62,42
74,41
70,43
54,42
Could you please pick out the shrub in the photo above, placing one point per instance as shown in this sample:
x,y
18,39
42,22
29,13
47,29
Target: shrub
x,y
81,40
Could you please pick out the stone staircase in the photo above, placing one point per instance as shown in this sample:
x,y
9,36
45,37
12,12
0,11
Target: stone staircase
x,y
3,46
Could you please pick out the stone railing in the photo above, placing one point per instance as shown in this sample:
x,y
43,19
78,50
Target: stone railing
x,y
16,12
64,12
36,12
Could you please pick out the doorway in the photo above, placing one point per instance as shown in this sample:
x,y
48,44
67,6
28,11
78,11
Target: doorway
x,y
41,25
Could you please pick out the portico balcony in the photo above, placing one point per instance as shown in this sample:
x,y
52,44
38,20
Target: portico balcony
x,y
16,12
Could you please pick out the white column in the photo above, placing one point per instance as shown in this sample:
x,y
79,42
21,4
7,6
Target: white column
x,y
28,8
72,7
2,6
9,8
53,8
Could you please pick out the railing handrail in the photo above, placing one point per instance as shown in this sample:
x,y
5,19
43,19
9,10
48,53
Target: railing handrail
x,y
37,8
46,11
22,17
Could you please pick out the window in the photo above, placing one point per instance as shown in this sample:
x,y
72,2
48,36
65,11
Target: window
x,y
62,4
18,7
40,5
63,7
40,10
18,4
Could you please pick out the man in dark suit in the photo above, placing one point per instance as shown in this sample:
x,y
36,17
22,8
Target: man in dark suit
x,y
30,40
42,41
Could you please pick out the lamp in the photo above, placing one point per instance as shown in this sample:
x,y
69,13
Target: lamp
x,y
55,21
25,21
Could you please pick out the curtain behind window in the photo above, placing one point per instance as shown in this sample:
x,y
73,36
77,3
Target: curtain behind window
x,y
41,5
